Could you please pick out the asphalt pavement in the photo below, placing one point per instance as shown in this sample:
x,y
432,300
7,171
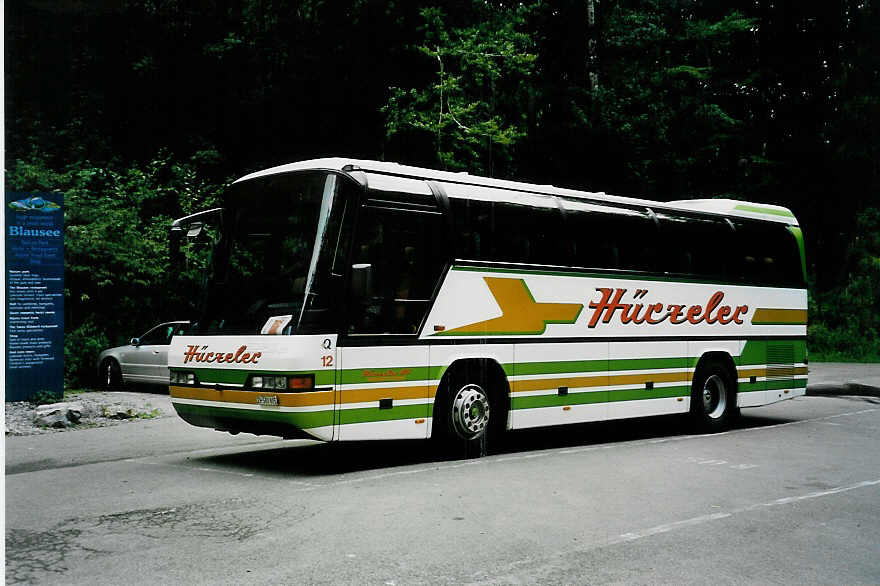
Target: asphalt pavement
x,y
842,378
789,496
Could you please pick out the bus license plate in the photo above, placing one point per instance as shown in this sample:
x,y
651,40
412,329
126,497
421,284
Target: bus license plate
x,y
267,400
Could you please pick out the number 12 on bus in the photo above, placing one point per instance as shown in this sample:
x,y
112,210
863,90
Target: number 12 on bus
x,y
353,300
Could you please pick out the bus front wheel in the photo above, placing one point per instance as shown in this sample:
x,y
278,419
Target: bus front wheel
x,y
463,425
713,397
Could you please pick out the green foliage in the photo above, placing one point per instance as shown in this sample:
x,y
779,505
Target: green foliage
x,y
472,109
44,398
117,278
674,95
82,344
845,320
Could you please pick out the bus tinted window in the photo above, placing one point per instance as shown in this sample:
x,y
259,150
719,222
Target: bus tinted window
x,y
403,252
695,246
506,232
767,254
610,239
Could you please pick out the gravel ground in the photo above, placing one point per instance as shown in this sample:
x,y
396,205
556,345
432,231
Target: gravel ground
x,y
99,409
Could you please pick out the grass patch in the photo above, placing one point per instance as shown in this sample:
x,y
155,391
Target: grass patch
x,y
44,398
70,393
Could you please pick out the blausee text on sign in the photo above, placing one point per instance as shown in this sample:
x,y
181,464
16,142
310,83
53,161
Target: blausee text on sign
x,y
34,235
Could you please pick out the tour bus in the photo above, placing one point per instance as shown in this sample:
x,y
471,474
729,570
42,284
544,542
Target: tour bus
x,y
357,300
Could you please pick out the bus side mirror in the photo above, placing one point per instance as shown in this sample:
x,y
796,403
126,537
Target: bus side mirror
x,y
192,228
362,281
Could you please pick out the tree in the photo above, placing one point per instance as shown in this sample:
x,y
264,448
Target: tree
x,y
472,110
117,273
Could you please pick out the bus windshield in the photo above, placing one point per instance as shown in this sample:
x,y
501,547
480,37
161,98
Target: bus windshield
x,y
271,265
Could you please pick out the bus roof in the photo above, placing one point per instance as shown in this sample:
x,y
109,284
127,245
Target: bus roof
x,y
725,207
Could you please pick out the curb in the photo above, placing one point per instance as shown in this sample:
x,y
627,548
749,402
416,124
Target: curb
x,y
836,389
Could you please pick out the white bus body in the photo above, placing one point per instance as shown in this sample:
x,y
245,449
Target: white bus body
x,y
446,305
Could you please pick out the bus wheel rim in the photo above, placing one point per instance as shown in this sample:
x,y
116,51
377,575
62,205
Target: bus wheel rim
x,y
714,397
470,411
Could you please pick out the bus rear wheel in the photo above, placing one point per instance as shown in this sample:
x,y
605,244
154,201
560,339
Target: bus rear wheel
x,y
713,397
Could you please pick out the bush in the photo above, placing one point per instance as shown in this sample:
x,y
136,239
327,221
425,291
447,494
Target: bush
x,y
81,349
44,397
845,320
116,259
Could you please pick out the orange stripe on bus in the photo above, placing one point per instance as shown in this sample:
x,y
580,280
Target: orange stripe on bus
x,y
367,395
305,399
744,372
780,316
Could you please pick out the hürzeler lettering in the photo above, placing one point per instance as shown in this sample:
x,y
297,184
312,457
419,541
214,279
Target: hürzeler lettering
x,y
195,353
712,312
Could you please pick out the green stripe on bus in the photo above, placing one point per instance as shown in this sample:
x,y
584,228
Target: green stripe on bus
x,y
763,210
773,385
614,396
302,420
755,351
561,367
577,366
799,237
649,363
390,374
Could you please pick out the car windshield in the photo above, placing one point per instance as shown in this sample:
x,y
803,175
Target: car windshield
x,y
268,260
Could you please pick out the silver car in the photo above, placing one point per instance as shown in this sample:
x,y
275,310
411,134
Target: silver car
x,y
143,360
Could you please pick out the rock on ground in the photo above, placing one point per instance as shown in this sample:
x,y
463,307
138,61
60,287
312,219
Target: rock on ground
x,y
94,409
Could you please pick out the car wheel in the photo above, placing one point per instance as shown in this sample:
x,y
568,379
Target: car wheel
x,y
111,375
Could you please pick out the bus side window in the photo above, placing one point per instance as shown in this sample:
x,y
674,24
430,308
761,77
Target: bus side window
x,y
506,232
694,246
403,251
768,255
474,227
592,246
528,234
635,238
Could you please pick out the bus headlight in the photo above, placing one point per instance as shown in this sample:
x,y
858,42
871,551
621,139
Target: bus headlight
x,y
269,382
294,383
182,378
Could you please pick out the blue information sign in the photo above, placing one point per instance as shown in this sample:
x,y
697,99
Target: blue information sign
x,y
34,294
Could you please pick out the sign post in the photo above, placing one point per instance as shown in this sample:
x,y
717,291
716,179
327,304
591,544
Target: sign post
x,y
34,295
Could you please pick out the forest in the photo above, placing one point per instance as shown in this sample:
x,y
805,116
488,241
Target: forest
x,y
141,111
